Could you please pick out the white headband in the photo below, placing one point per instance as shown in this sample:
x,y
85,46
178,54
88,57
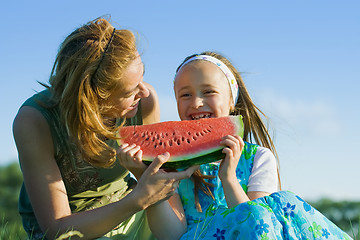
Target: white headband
x,y
229,75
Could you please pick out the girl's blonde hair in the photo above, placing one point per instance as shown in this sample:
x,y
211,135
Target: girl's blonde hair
x,y
88,68
255,130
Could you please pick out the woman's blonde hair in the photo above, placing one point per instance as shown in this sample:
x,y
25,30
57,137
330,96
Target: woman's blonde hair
x,y
255,130
87,70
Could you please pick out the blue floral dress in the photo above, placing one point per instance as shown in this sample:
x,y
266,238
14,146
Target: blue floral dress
x,y
282,215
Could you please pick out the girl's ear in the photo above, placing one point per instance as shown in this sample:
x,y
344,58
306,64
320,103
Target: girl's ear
x,y
232,106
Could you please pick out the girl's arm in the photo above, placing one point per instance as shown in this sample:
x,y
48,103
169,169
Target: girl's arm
x,y
264,175
47,192
234,194
167,219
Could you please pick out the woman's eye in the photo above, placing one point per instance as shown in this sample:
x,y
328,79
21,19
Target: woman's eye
x,y
133,93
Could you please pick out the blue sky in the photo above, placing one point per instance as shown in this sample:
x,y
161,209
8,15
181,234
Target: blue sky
x,y
300,61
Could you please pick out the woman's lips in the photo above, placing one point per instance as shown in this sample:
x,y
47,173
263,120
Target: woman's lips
x,y
134,105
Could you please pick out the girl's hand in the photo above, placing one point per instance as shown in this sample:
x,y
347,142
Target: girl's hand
x,y
156,184
234,194
130,157
233,149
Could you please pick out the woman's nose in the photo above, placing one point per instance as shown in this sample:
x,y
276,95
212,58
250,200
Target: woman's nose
x,y
143,91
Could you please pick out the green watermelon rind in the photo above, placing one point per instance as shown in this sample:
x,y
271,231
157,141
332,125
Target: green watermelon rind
x,y
183,164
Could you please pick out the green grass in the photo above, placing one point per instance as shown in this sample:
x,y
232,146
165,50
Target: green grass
x,y
11,230
15,231
354,235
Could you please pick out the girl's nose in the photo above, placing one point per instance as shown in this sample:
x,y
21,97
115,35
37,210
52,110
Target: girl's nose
x,y
143,91
197,102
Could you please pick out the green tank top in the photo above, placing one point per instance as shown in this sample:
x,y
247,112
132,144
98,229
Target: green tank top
x,y
87,186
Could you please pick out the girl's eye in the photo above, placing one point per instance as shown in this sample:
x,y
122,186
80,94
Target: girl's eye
x,y
185,95
209,91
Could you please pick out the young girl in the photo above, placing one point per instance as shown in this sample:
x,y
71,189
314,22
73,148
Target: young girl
x,y
241,200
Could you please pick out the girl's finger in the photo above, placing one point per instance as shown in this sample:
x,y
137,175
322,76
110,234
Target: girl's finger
x,y
138,155
230,143
125,147
131,153
227,150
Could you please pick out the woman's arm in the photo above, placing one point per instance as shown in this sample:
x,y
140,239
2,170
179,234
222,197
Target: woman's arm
x,y
166,218
150,108
47,191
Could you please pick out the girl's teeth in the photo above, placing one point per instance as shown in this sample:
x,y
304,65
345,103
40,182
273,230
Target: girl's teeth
x,y
200,116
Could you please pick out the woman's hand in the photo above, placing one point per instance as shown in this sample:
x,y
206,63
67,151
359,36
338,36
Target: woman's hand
x,y
157,185
233,149
130,157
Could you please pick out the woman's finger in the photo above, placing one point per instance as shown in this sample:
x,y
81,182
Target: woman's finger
x,y
157,163
183,174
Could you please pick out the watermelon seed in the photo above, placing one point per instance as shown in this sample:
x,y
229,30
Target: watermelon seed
x,y
164,144
197,134
170,143
194,138
183,139
147,138
189,133
178,142
160,143
157,136
166,134
153,139
188,140
155,145
173,133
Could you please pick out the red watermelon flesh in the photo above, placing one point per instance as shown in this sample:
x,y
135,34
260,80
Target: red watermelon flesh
x,y
184,140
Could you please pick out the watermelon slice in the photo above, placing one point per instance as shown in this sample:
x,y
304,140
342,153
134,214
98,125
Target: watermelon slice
x,y
189,142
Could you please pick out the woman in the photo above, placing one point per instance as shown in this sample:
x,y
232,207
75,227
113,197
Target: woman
x,y
66,141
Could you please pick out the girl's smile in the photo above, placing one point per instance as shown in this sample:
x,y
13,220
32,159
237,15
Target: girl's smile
x,y
199,115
